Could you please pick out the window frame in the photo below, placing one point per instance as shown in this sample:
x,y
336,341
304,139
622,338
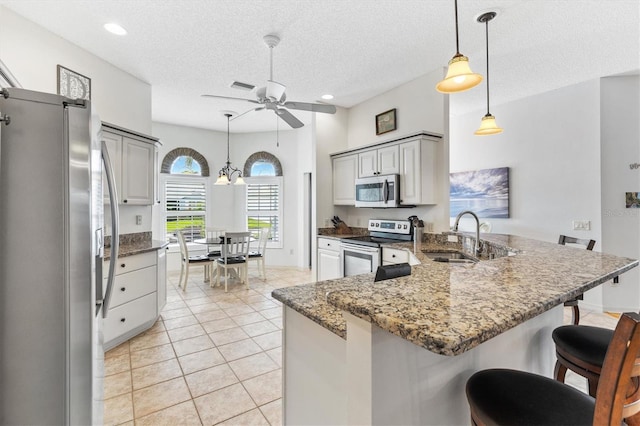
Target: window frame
x,y
267,180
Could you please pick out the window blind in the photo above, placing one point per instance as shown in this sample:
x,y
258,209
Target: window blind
x,y
185,206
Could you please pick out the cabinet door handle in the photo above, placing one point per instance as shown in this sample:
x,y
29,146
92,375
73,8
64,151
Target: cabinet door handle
x,y
124,201
123,319
393,255
122,265
123,289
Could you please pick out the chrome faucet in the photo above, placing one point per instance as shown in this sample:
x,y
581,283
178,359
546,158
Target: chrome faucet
x,y
478,247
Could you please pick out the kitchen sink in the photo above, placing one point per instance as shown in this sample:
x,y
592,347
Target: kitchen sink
x,y
449,257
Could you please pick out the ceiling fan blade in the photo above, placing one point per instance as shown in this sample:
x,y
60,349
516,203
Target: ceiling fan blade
x,y
230,97
289,118
246,112
305,106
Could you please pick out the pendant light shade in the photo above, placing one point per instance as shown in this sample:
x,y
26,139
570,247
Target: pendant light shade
x,y
488,124
459,75
226,173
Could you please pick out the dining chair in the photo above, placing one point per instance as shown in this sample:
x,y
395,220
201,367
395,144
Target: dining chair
x,y
259,254
509,397
187,261
235,251
214,234
573,303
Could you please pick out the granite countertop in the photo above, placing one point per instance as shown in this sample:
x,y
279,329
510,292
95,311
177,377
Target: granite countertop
x,y
451,308
130,248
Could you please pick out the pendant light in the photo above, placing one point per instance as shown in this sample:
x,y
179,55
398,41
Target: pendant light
x,y
226,173
488,125
459,75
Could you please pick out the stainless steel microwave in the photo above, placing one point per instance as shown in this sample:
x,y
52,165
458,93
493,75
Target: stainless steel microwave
x,y
378,191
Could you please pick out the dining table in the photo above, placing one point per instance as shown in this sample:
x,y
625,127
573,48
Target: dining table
x,y
216,242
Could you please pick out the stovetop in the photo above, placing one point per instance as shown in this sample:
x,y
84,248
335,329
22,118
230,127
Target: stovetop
x,y
373,241
383,231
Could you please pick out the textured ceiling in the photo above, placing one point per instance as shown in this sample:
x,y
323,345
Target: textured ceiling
x,y
353,49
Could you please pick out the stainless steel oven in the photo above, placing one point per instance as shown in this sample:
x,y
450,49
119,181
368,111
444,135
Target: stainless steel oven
x,y
363,254
359,259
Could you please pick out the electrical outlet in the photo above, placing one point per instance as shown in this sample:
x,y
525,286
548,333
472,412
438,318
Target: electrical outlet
x,y
581,225
428,226
138,219
452,238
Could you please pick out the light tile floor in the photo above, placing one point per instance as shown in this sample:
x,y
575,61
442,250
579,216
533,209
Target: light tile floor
x,y
212,357
215,357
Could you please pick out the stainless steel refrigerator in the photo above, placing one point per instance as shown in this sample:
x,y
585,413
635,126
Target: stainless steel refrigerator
x,y
51,294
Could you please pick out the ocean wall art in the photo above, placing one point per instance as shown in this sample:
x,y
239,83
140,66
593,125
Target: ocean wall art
x,y
484,192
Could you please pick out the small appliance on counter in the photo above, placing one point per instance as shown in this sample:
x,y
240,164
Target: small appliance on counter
x,y
362,254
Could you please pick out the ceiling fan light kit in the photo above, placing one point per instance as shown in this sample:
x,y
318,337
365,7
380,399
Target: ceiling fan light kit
x,y
488,125
273,97
226,173
459,75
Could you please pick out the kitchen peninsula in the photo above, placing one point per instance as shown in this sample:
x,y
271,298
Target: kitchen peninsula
x,y
400,351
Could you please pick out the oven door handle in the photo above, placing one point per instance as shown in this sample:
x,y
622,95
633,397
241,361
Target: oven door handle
x,y
359,248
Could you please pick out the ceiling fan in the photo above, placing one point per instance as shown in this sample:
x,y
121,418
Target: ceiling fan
x,y
273,96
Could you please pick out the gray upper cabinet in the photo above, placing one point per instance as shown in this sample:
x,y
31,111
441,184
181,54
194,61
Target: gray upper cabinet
x,y
345,172
381,161
133,156
413,157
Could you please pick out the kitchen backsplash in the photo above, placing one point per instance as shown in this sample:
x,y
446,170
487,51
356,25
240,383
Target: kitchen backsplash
x,y
126,239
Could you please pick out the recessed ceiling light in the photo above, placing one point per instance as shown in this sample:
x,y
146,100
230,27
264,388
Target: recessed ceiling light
x,y
114,28
327,97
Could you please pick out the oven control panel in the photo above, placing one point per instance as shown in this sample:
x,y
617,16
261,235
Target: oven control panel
x,y
391,226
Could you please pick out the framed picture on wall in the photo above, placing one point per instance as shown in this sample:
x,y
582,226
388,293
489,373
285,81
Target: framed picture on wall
x,y
73,85
386,122
485,192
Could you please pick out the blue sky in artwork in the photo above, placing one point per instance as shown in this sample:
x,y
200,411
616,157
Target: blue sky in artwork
x,y
487,183
179,167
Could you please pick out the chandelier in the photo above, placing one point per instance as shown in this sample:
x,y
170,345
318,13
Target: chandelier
x,y
225,175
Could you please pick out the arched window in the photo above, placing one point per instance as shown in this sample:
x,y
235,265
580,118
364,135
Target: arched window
x,y
185,193
263,175
262,164
179,160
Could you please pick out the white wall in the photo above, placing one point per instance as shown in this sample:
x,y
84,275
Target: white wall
x,y
227,203
33,53
551,144
418,107
620,147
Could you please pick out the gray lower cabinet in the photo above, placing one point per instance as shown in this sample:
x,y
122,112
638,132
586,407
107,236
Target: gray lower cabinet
x,y
135,301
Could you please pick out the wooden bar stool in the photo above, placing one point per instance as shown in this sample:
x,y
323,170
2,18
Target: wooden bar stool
x,y
509,397
581,349
588,244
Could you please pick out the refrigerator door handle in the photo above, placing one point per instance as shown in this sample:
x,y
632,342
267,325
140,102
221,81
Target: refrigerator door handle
x,y
115,228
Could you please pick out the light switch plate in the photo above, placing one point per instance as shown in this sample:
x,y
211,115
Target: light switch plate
x,y
138,219
581,225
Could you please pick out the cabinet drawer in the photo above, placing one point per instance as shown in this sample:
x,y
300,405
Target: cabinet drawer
x,y
328,244
135,284
125,318
395,256
139,261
